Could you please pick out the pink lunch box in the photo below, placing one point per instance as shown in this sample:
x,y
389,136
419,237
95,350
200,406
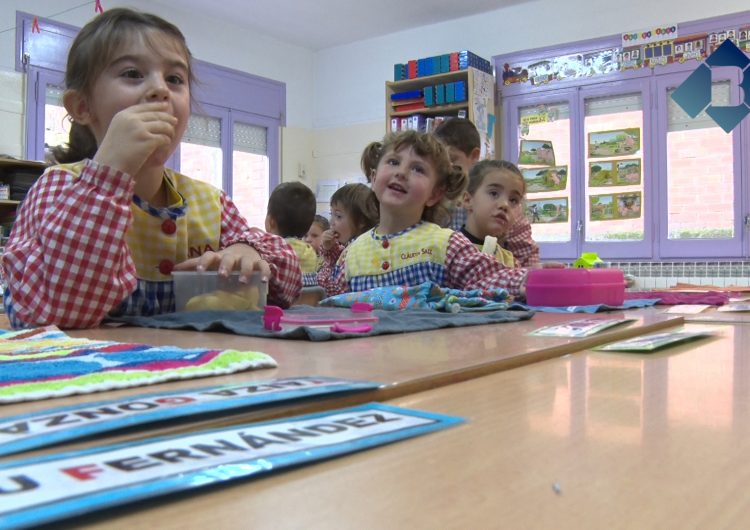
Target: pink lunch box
x,y
567,287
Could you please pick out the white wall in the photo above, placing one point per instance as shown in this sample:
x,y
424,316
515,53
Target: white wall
x,y
11,113
336,97
350,79
213,40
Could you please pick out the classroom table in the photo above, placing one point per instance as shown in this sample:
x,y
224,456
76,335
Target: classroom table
x,y
405,363
589,440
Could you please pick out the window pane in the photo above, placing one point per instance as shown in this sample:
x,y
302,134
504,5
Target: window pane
x,y
613,128
250,172
200,150
700,172
56,124
544,159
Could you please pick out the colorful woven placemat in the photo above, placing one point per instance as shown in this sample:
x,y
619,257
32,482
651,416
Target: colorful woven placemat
x,y
45,362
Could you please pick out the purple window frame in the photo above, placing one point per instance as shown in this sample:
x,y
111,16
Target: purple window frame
x,y
36,86
642,249
511,110
715,248
243,97
655,83
575,97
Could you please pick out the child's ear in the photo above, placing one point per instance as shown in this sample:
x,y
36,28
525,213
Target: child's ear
x,y
466,201
435,197
270,224
77,106
474,155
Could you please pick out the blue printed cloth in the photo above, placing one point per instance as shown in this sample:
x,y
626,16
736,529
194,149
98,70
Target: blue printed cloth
x,y
427,295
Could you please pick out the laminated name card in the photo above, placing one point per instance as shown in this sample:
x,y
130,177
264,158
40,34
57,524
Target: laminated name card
x,y
55,425
649,343
580,328
55,487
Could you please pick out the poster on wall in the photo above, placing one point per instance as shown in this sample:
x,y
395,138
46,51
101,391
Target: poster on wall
x,y
483,98
615,206
628,205
600,62
605,144
542,72
631,58
615,173
650,47
690,47
568,66
601,207
545,179
536,152
659,53
602,174
717,37
543,211
743,39
648,35
629,172
540,115
514,74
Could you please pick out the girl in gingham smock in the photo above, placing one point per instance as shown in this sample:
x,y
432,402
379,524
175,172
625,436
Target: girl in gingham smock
x,y
102,235
413,179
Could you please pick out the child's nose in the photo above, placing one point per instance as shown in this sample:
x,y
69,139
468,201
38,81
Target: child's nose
x,y
157,90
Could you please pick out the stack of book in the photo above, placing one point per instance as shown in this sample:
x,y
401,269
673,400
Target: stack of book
x,y
440,64
417,122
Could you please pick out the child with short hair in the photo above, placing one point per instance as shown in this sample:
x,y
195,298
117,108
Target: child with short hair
x,y
414,179
464,146
101,233
314,234
354,210
493,200
291,210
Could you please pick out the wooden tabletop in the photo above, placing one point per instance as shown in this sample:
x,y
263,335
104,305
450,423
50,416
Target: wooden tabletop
x,y
407,362
590,440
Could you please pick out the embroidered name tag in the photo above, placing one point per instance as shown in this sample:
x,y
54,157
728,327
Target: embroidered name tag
x,y
416,254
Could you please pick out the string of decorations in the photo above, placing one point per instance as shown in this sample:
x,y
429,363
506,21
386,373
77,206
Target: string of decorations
x,y
35,22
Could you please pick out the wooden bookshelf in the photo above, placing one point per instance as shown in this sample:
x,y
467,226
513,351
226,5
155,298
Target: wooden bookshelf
x,y
9,168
